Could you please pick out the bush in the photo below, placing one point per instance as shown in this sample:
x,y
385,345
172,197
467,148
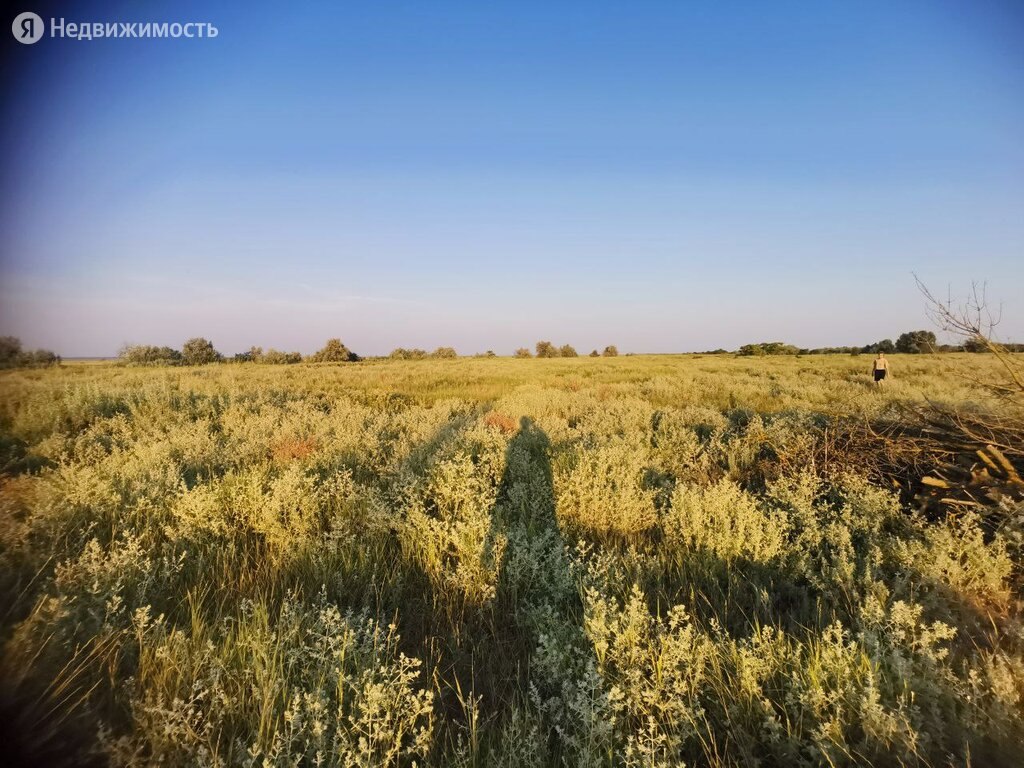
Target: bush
x,y
724,521
199,351
594,353
603,495
334,352
567,350
445,353
254,355
408,354
270,357
147,354
276,357
611,351
523,352
344,694
546,349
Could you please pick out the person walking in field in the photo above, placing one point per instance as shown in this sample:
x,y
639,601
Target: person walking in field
x,y
880,369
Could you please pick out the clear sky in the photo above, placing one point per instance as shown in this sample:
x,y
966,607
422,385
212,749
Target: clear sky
x,y
663,176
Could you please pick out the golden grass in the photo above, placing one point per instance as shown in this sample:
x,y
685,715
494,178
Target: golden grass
x,y
641,560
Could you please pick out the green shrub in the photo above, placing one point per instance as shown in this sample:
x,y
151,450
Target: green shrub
x,y
144,354
199,351
408,354
547,349
276,357
334,352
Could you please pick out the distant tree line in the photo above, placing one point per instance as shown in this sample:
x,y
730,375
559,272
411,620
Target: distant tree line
x,y
547,349
767,348
909,343
200,351
13,356
441,353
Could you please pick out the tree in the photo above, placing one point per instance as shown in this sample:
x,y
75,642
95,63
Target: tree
x,y
13,356
975,323
914,342
445,353
10,351
334,352
973,344
199,351
567,350
523,352
594,353
546,349
611,351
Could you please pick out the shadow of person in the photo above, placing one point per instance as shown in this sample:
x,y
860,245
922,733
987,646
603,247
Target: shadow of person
x,y
526,492
535,584
483,649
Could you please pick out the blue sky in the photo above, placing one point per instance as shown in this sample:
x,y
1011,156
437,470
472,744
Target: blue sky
x,y
663,176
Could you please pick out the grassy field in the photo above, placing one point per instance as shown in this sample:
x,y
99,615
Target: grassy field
x,y
633,561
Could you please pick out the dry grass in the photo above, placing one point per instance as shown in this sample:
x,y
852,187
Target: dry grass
x,y
627,561
292,449
501,422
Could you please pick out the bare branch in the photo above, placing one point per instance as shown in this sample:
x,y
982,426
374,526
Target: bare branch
x,y
974,323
